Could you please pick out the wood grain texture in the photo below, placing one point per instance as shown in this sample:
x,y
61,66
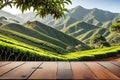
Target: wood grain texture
x,y
47,70
60,70
9,67
116,63
22,72
64,71
4,63
100,72
111,67
81,71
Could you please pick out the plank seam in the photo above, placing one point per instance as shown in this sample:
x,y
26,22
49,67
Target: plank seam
x,y
57,70
71,69
34,70
115,64
5,64
11,69
109,70
90,70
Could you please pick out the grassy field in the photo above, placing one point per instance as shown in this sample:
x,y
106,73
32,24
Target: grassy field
x,y
94,54
38,42
22,52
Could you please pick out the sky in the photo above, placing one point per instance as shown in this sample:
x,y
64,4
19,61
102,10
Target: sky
x,y
109,5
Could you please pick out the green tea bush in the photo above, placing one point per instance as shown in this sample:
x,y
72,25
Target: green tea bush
x,y
100,56
111,54
86,58
9,52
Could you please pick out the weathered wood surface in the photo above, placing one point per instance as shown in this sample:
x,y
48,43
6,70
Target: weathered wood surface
x,y
60,70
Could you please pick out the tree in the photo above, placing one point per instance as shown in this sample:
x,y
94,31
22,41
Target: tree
x,y
115,27
41,7
98,41
70,48
0,24
78,47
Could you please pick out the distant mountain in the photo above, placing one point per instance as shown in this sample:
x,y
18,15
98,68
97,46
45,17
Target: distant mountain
x,y
9,16
78,28
84,31
94,16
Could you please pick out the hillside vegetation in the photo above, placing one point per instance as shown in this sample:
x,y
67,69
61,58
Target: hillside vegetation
x,y
16,51
37,37
65,39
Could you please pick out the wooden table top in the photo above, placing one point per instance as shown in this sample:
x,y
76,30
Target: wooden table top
x,y
60,70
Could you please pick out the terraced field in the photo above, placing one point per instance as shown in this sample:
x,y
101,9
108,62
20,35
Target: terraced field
x,y
17,51
35,41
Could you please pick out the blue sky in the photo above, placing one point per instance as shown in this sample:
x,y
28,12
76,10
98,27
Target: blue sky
x,y
109,5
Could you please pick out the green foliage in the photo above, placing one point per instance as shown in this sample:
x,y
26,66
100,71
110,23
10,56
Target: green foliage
x,y
115,27
117,21
34,34
11,50
41,7
41,36
114,38
70,48
49,31
32,41
93,54
0,24
98,41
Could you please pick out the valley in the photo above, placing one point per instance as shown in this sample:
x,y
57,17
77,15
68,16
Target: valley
x,y
24,37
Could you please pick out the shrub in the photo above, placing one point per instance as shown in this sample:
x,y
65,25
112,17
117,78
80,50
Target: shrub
x,y
115,27
100,56
98,41
0,24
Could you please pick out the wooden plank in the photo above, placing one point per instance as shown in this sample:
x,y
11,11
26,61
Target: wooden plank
x,y
64,70
81,71
9,67
111,67
22,72
116,63
4,63
100,71
47,70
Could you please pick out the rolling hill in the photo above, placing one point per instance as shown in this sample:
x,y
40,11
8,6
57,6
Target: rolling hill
x,y
80,23
41,36
48,39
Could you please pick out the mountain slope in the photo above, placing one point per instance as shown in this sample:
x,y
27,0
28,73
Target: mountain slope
x,y
96,17
84,31
41,36
78,28
114,38
9,16
49,31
